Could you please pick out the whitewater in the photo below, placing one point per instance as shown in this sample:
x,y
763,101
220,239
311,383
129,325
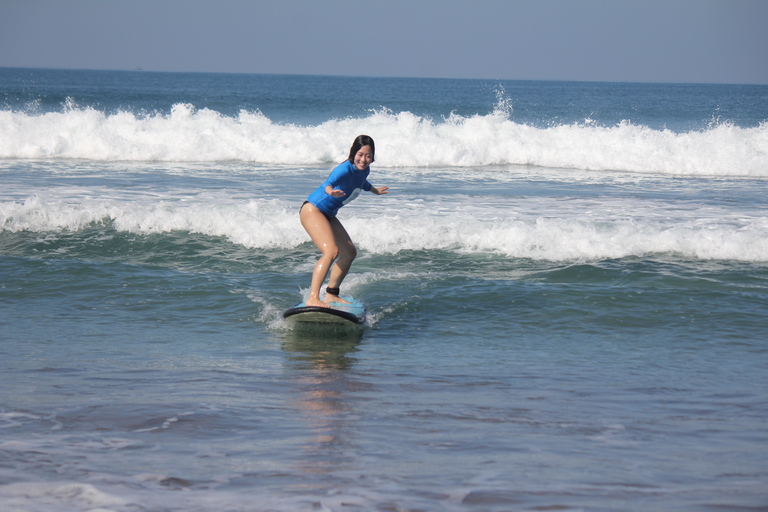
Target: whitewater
x,y
189,134
591,231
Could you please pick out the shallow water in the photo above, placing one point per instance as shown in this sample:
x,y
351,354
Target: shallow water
x,y
538,337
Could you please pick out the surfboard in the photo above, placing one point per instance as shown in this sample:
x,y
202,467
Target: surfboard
x,y
338,314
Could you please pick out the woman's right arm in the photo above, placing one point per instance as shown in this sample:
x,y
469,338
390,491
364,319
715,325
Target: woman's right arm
x,y
335,192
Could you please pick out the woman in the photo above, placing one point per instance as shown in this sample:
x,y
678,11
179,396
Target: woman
x,y
318,216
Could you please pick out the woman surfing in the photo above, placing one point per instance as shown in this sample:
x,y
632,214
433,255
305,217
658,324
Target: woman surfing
x,y
318,216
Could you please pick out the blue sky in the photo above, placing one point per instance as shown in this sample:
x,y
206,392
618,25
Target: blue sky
x,y
723,41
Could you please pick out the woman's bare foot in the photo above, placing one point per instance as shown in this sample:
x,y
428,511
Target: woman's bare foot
x,y
330,299
316,303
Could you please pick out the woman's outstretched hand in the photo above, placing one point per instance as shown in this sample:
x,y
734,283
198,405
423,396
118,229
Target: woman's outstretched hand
x,y
380,190
336,192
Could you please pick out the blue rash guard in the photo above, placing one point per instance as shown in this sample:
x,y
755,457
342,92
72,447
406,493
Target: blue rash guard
x,y
345,177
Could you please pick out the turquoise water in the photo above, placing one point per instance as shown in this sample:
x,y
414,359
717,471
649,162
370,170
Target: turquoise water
x,y
567,294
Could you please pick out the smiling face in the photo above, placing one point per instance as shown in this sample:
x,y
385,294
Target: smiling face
x,y
363,158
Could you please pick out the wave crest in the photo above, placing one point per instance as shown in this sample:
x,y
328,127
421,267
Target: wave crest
x,y
187,134
273,224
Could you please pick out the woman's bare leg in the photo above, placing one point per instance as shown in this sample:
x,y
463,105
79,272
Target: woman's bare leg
x,y
322,234
347,254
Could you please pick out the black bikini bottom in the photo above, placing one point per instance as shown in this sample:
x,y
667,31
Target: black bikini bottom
x,y
307,202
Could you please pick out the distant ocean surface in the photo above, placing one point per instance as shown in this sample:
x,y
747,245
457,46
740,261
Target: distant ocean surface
x,y
567,293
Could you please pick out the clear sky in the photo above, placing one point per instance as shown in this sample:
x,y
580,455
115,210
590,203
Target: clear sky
x,y
723,41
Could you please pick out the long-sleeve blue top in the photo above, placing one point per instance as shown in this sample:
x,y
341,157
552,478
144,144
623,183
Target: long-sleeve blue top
x,y
345,177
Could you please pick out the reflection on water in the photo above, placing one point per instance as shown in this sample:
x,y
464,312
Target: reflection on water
x,y
321,359
328,348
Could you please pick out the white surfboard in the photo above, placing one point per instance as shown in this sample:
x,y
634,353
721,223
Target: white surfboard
x,y
337,314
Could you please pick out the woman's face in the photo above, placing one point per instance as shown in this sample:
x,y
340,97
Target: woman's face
x,y
363,158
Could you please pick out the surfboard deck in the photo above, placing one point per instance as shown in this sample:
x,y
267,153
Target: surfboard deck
x,y
337,314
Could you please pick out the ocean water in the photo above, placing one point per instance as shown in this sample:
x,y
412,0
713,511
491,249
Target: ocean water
x,y
567,292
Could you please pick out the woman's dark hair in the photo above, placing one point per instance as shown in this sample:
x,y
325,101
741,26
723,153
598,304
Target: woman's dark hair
x,y
360,141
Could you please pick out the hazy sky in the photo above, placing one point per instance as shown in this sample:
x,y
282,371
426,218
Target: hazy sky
x,y
722,41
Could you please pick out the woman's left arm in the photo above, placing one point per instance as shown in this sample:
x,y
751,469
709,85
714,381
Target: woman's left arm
x,y
379,190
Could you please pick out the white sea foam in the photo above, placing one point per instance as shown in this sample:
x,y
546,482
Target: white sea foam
x,y
28,496
406,140
580,231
